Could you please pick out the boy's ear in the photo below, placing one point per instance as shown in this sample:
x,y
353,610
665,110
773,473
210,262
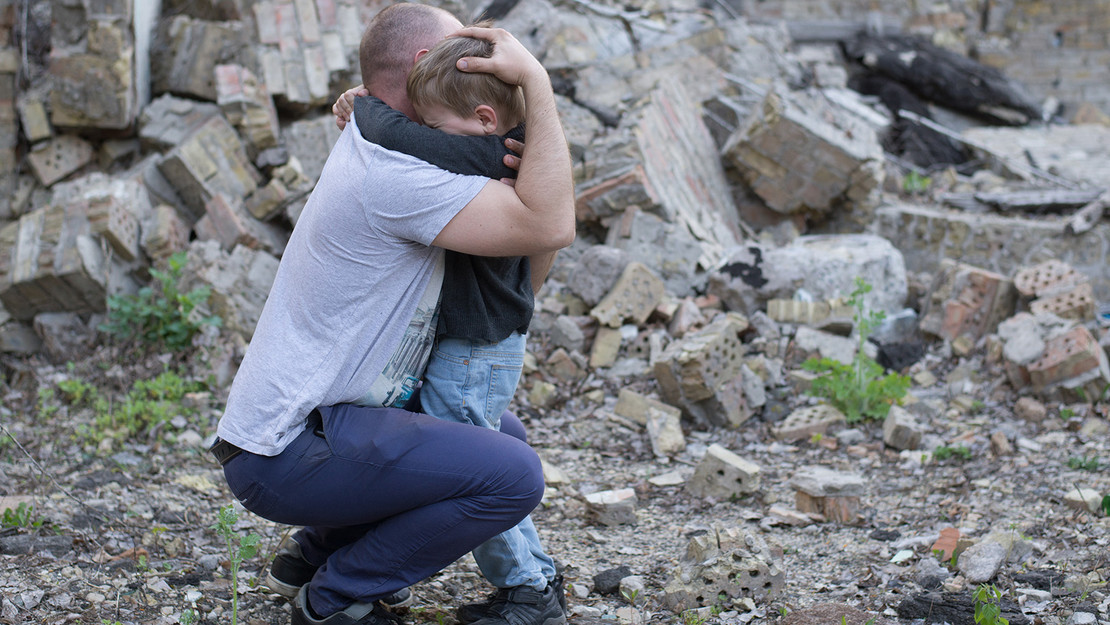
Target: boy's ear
x,y
488,117
419,53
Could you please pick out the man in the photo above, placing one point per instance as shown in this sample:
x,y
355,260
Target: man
x,y
313,434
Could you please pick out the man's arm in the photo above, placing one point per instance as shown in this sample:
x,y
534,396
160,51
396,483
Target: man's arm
x,y
470,155
537,215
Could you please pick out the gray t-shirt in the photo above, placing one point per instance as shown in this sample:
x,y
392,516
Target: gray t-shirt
x,y
349,315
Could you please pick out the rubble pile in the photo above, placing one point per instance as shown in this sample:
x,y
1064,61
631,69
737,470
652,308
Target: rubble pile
x,y
731,190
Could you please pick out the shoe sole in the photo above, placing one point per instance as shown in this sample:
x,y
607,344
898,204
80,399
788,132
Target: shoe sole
x,y
281,588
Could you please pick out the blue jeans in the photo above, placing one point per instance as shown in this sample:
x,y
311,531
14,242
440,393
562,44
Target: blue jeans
x,y
385,496
472,382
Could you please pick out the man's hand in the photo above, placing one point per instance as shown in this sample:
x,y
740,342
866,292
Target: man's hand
x,y
344,107
512,161
511,61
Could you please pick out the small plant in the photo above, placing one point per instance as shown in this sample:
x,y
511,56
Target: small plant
x,y
239,548
915,183
148,404
1084,463
163,316
1105,505
23,516
859,389
46,405
988,610
189,616
944,452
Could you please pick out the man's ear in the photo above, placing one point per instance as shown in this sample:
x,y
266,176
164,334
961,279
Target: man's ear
x,y
488,117
419,53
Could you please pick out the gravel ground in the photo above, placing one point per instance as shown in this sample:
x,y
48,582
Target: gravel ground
x,y
123,531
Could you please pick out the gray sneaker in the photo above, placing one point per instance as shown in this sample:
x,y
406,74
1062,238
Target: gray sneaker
x,y
289,572
354,614
522,605
471,612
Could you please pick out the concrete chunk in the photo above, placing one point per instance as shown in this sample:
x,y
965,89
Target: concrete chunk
x,y
613,507
824,491
966,301
799,163
210,161
59,158
805,422
731,561
701,373
189,49
640,408
248,106
633,298
901,429
721,474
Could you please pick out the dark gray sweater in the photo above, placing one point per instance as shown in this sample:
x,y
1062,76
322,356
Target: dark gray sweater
x,y
483,299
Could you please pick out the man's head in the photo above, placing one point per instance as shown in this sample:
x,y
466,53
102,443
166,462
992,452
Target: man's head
x,y
459,102
396,36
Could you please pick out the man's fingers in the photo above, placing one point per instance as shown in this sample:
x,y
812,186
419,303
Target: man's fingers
x,y
514,145
512,162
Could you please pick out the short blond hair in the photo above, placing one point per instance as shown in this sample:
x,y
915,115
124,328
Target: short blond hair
x,y
435,80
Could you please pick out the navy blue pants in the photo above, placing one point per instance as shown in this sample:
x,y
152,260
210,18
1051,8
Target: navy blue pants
x,y
389,497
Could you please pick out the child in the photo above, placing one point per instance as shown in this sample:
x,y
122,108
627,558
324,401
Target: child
x,y
486,303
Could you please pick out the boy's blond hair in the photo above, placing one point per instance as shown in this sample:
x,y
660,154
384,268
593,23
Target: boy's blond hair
x,y
435,80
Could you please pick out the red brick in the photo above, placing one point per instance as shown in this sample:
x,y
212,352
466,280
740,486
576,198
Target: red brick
x,y
1065,357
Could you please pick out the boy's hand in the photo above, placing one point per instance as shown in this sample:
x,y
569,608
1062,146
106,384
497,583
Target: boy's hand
x,y
344,107
512,161
511,61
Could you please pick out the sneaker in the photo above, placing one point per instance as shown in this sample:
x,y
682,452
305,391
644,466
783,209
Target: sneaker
x,y
471,612
289,572
521,605
354,614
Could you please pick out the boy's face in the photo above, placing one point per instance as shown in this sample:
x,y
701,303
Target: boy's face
x,y
441,118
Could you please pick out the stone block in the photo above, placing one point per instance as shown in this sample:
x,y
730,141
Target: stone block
x,y
640,408
50,262
613,507
210,161
116,224
33,119
605,348
164,233
723,475
966,301
1066,357
832,494
168,121
227,221
92,91
633,298
810,342
1077,303
596,271
1047,278
310,141
798,163
65,337
701,373
901,429
725,560
825,266
658,166
19,338
59,158
189,49
664,429
805,422
1084,500
247,104
239,281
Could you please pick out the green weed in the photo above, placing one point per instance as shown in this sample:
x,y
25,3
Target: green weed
x,y
944,452
915,183
22,516
160,316
1084,463
860,389
988,609
148,404
239,548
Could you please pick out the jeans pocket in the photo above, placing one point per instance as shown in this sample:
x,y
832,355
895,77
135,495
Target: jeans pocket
x,y
503,380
